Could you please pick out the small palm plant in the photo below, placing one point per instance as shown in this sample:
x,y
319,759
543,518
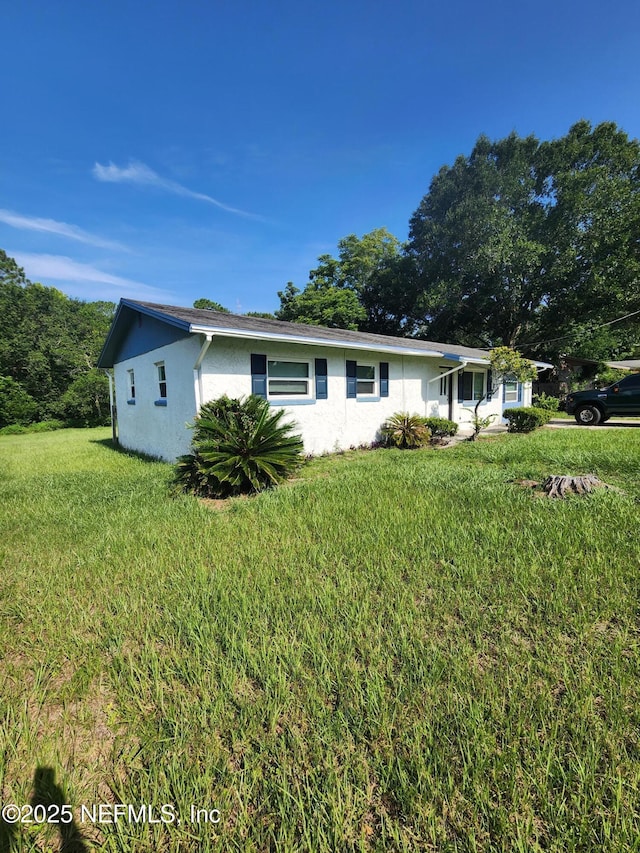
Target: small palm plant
x,y
239,447
406,431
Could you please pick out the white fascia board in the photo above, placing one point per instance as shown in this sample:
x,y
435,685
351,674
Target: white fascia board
x,y
482,362
318,342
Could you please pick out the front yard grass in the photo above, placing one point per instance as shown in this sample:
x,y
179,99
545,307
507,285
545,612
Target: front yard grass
x,y
399,651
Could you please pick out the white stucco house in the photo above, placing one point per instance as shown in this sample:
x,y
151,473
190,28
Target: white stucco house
x,y
338,386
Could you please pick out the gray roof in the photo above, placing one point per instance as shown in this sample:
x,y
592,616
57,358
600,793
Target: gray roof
x,y
203,319
197,320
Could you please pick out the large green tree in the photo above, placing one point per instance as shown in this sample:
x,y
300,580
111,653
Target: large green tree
x,y
533,244
478,244
321,305
366,287
591,181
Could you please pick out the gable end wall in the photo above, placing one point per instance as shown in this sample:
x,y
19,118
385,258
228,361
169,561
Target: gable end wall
x,y
158,431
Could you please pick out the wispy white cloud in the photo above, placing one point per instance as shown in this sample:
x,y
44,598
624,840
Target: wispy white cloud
x,y
139,173
85,280
61,229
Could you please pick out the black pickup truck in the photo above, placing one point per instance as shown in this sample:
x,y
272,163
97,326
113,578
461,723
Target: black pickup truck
x,y
595,407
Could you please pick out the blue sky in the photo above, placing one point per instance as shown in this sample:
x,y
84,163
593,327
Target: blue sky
x,y
168,151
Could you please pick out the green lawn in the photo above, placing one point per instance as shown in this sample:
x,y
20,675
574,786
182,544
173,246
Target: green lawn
x,y
397,651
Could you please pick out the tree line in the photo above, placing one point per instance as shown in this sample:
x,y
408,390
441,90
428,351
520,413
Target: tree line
x,y
49,345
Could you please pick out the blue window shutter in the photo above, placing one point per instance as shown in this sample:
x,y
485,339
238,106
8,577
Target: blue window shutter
x,y
352,379
322,390
504,390
461,375
384,378
259,375
519,392
489,384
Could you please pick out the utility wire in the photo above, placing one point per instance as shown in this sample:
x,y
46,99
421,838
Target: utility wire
x,y
573,334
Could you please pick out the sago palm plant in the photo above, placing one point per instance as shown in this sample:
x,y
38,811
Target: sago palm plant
x,y
406,431
239,446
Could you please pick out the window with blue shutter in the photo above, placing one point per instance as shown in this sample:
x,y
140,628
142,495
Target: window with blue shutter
x,y
384,378
259,375
322,389
466,381
471,385
489,385
288,378
362,379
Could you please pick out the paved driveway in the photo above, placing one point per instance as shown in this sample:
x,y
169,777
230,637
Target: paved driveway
x,y
614,423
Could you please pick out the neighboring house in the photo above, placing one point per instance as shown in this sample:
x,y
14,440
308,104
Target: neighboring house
x,y
338,386
631,364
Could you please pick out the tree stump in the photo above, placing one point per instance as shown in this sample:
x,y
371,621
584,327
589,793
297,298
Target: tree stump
x,y
559,486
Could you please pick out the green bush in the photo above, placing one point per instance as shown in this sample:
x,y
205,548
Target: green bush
x,y
526,418
441,427
41,426
46,426
405,431
13,429
239,446
551,404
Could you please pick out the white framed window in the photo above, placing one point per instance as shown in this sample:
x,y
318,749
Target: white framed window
x,y
365,380
288,378
511,391
131,385
472,385
444,386
162,380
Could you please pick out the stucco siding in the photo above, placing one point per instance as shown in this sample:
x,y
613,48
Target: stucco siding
x,y
338,422
158,430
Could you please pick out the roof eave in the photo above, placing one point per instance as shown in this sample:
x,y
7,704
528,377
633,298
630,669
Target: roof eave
x,y
158,315
106,359
313,341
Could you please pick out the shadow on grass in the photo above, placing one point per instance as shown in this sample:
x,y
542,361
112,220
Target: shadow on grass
x,y
50,798
133,454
